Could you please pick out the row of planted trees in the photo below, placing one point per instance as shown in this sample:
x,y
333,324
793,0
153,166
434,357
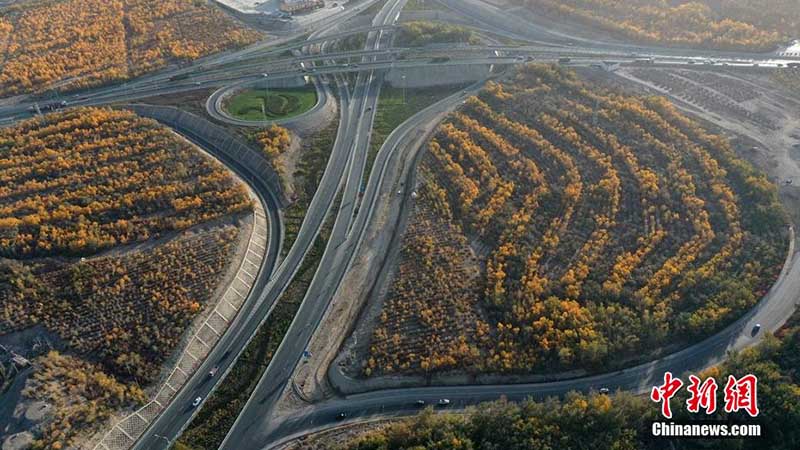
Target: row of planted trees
x,y
89,179
759,25
72,44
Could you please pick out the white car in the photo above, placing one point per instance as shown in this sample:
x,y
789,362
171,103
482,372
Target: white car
x,y
197,401
444,402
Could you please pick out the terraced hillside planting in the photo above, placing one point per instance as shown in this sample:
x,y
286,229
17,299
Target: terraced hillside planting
x,y
89,179
114,236
72,44
756,25
606,228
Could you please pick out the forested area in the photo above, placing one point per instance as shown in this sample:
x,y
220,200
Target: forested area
x,y
114,235
85,180
274,141
618,421
756,25
609,228
70,44
420,33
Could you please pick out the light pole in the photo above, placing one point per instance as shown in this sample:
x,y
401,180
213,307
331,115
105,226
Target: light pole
x,y
403,77
266,94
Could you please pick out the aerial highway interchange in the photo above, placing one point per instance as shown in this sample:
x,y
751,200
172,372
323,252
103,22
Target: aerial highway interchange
x,y
347,196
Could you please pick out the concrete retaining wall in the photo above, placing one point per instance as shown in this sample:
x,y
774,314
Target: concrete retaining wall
x,y
436,75
226,148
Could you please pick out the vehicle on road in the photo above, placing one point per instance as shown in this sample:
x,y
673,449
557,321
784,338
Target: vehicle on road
x,y
196,402
341,416
604,391
756,329
444,402
51,106
213,372
180,76
420,403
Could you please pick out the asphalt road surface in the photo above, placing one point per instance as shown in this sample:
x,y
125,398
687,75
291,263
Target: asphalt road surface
x,y
338,253
345,172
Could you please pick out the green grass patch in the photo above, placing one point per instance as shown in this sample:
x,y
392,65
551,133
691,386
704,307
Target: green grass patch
x,y
271,104
420,33
394,109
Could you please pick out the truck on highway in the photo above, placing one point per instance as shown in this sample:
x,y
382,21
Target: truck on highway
x,y
55,106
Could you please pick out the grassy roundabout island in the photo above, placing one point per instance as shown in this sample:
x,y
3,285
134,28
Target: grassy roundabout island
x,y
272,104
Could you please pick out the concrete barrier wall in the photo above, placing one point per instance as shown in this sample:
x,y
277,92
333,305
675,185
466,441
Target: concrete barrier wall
x,y
416,77
248,163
